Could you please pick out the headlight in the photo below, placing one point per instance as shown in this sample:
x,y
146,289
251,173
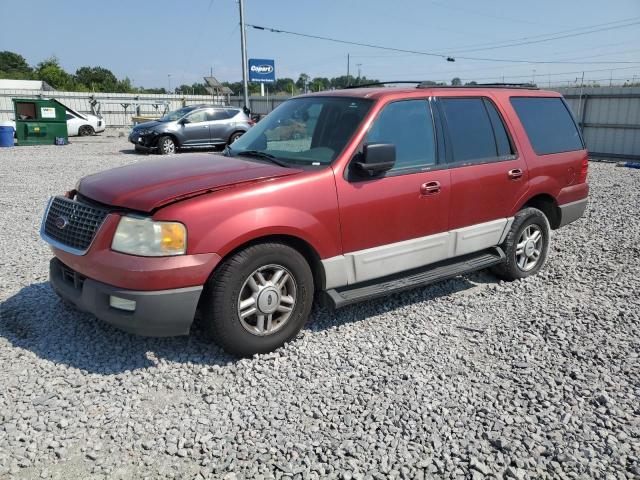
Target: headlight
x,y
142,132
143,236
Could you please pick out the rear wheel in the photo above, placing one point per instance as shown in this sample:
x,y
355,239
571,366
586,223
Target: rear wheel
x,y
258,299
166,145
86,130
526,246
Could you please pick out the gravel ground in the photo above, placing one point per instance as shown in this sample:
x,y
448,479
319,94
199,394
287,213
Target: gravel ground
x,y
469,378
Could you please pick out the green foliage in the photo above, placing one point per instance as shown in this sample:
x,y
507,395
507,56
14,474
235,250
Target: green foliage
x,y
14,66
98,79
51,72
456,82
193,89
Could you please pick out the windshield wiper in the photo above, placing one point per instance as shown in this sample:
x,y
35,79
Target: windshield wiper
x,y
261,154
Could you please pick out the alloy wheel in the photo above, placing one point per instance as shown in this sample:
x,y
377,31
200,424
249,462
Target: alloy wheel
x,y
529,247
168,146
267,299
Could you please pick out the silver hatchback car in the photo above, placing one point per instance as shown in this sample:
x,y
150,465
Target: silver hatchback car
x,y
193,126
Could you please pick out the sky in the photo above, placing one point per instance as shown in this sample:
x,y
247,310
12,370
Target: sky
x,y
164,43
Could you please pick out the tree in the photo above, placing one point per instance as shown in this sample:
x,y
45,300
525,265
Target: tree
x,y
97,79
342,81
302,82
51,72
14,65
455,81
284,85
320,83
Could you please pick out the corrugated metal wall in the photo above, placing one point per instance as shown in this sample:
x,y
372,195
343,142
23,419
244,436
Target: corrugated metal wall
x,y
610,119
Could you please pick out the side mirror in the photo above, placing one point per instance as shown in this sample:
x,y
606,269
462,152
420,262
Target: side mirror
x,y
184,121
376,158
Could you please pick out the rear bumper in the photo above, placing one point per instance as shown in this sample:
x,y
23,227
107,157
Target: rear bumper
x,y
570,212
159,313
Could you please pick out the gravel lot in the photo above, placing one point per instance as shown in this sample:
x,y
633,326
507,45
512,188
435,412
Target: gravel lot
x,y
470,378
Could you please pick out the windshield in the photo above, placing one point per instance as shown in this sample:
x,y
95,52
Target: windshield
x,y
176,114
307,130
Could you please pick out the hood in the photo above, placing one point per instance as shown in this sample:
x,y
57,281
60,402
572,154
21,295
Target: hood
x,y
147,125
148,185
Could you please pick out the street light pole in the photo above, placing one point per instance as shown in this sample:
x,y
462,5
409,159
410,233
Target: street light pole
x,y
243,47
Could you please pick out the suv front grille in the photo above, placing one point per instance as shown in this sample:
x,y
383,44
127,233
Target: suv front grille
x,y
72,224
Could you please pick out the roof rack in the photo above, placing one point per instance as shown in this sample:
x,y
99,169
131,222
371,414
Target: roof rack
x,y
373,84
423,84
527,86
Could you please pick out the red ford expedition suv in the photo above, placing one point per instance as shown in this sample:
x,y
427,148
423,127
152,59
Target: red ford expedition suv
x,y
356,193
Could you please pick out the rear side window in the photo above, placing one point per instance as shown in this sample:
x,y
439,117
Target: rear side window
x,y
470,129
408,125
218,115
548,123
503,144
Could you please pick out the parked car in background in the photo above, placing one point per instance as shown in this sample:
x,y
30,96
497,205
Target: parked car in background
x,y
355,193
79,124
193,126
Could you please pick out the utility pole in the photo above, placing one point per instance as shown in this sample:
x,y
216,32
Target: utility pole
x,y
347,69
169,77
580,119
243,47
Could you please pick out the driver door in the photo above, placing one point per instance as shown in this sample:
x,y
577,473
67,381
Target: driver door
x,y
195,130
397,220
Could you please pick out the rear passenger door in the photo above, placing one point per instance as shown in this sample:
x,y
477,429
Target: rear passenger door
x,y
488,176
219,125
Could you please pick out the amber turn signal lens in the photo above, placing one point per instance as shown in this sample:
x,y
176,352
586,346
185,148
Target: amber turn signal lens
x,y
173,237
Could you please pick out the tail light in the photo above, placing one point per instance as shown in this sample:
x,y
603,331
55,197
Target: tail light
x,y
584,170
252,122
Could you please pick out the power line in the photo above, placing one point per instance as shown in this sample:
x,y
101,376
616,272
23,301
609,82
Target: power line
x,y
528,75
419,52
460,48
558,37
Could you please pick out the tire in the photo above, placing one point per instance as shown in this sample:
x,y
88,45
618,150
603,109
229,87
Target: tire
x,y
231,283
234,136
167,145
86,130
520,243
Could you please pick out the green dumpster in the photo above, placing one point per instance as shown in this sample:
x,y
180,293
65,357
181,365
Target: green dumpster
x,y
40,122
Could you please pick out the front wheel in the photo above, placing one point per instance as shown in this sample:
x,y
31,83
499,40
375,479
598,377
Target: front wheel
x,y
526,246
258,299
166,145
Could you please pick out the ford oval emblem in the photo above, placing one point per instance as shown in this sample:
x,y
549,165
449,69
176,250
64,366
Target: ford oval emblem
x,y
61,222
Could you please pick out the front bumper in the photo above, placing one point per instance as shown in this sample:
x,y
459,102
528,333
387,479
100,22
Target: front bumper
x,y
158,313
146,143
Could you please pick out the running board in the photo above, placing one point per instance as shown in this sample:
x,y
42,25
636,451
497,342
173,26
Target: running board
x,y
343,296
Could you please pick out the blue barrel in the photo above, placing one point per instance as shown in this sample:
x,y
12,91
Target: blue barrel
x,y
6,136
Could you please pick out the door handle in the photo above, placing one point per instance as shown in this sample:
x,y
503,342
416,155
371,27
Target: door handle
x,y
515,174
430,188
